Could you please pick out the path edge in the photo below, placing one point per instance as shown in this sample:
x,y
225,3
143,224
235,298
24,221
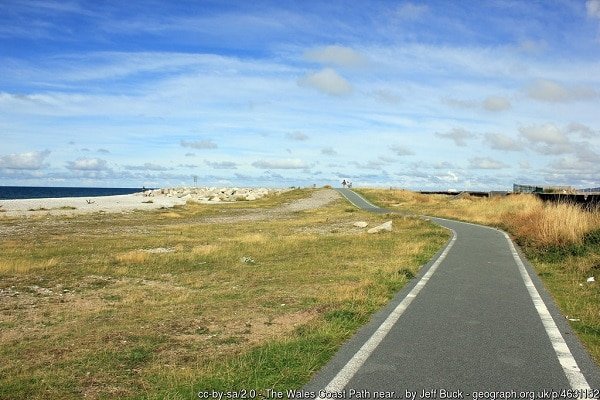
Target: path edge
x,y
325,378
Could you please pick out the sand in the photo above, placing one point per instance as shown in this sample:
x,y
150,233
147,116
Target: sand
x,y
80,205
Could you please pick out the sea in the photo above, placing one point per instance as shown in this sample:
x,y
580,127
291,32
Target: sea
x,y
39,192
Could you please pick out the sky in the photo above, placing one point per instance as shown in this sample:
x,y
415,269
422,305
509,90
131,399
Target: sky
x,y
424,95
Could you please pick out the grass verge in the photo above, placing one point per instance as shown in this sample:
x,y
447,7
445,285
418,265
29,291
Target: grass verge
x,y
562,241
163,304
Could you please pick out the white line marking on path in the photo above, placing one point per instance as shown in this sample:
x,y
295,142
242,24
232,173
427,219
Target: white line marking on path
x,y
342,378
566,359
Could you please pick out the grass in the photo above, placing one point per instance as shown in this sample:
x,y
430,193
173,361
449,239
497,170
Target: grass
x,y
91,308
562,241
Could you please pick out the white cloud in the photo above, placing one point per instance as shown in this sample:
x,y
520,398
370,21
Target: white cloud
x,y
593,8
548,134
548,139
496,103
486,163
336,55
554,92
327,81
199,144
498,141
581,129
400,150
280,164
32,160
88,164
221,164
299,136
447,177
458,135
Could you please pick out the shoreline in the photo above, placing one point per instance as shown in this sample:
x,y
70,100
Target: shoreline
x,y
83,205
149,200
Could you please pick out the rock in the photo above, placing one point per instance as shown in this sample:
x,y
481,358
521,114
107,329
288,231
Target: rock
x,y
214,195
361,224
386,226
591,279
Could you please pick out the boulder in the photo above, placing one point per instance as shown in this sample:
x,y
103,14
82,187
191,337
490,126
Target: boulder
x,y
361,224
386,226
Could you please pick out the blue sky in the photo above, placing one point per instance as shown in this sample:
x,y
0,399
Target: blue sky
x,y
421,95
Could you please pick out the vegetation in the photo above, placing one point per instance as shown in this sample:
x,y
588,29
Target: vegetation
x,y
163,304
561,240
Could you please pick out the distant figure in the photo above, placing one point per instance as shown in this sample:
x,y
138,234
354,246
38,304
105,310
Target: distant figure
x,y
344,183
349,184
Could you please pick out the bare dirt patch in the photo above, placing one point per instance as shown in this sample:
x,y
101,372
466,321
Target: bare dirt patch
x,y
318,199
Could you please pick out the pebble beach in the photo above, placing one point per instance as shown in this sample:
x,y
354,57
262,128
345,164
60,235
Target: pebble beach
x,y
147,200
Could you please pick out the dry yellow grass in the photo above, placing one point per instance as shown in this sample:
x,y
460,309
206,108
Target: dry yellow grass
x,y
20,266
91,309
552,224
530,220
132,257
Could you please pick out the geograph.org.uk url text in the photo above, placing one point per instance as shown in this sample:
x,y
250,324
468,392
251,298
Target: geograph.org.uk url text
x,y
432,394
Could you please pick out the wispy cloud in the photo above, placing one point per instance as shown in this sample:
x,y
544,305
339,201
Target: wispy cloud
x,y
280,164
411,11
147,167
221,164
555,92
496,103
336,56
387,96
88,164
486,163
498,141
407,80
458,135
401,150
199,144
329,151
298,136
593,8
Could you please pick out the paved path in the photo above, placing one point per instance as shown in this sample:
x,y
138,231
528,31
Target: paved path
x,y
476,319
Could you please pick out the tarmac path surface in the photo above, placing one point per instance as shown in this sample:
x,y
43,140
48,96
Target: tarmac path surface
x,y
475,323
